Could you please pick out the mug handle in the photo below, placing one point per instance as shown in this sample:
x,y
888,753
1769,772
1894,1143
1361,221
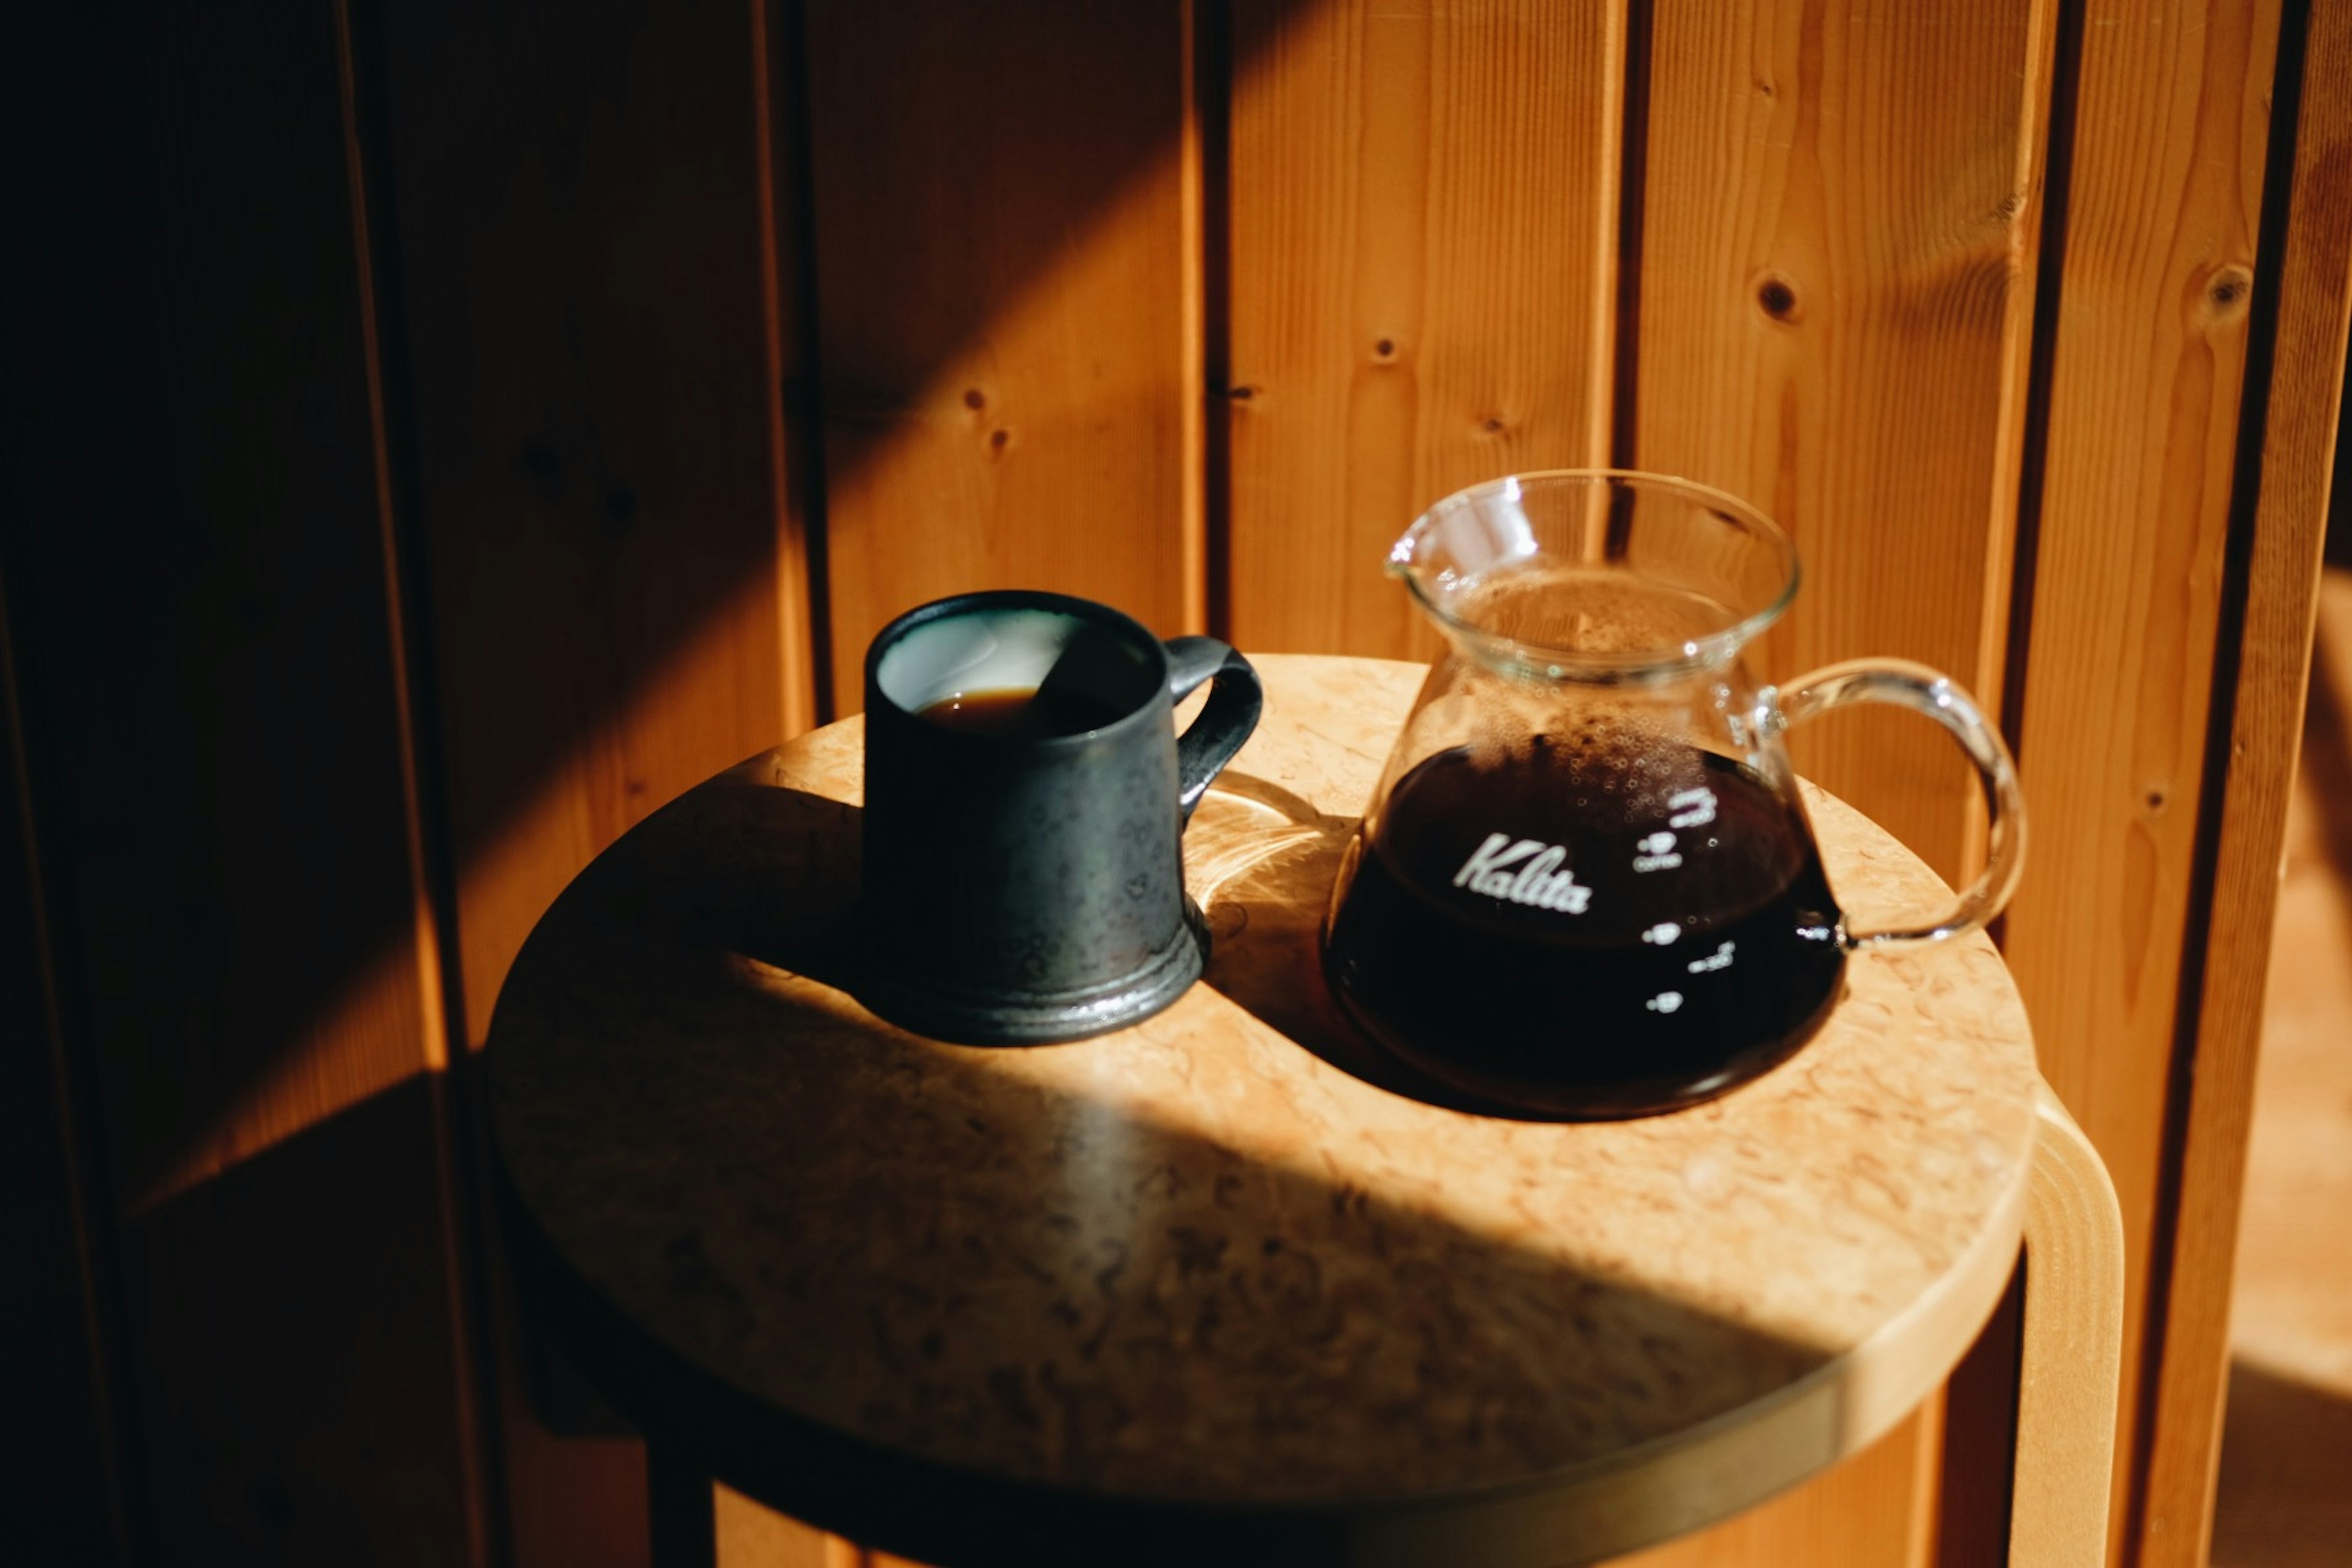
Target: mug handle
x,y
1226,721
1922,690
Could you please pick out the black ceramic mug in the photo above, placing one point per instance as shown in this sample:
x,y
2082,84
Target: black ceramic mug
x,y
1025,800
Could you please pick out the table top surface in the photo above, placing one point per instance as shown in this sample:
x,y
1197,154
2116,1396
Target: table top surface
x,y
1219,1258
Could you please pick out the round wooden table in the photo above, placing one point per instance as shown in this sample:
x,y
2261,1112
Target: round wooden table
x,y
1225,1285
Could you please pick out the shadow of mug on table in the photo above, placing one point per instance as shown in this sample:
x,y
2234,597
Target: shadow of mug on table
x,y
1027,795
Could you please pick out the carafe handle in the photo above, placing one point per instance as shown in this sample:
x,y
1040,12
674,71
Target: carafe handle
x,y
1922,690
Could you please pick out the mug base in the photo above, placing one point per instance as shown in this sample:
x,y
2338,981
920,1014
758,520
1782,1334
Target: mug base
x,y
1039,1019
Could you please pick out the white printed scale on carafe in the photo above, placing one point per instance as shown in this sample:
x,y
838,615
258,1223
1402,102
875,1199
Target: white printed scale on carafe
x,y
1586,886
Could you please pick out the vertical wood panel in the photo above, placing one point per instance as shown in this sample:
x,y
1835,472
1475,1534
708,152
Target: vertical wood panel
x,y
1833,307
595,243
1864,1513
1835,300
1422,231
197,570
2262,689
999,228
582,251
2165,187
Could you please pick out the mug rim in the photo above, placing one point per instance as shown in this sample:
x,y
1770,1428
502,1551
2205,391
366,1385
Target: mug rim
x,y
1697,654
993,599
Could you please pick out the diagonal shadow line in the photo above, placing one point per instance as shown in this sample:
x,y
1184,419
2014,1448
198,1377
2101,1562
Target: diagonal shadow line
x,y
852,1262
574,567
580,571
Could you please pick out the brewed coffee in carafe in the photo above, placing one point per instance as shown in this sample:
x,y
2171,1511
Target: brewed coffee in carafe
x,y
1586,886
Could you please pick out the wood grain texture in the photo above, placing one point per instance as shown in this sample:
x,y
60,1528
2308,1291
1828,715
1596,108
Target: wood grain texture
x,y
1000,223
1835,293
1980,1438
2070,1353
1422,222
198,577
585,259
1207,1261
1839,218
2279,1500
596,230
1866,1513
2264,691
2171,126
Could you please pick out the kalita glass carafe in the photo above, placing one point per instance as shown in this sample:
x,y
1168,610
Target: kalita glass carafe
x,y
1586,886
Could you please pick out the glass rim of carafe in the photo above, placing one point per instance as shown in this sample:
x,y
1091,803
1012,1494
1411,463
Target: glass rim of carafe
x,y
1665,662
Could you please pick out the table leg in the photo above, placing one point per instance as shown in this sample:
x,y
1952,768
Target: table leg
x,y
696,1522
680,1516
753,1535
2071,1358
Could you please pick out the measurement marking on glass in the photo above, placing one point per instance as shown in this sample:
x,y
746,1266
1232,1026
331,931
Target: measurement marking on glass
x,y
1691,807
1657,852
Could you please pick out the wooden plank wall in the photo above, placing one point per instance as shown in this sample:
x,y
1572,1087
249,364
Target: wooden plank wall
x,y
1005,369
2168,137
1832,315
210,696
533,411
1422,235
2289,468
616,587
1834,306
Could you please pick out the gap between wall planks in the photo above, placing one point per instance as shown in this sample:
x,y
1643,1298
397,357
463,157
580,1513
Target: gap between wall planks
x,y
213,740
429,888
596,223
2286,458
1421,241
788,313
1837,295
1003,340
584,298
1833,312
2170,131
617,150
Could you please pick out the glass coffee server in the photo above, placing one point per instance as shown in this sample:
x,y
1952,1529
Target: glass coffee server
x,y
1586,886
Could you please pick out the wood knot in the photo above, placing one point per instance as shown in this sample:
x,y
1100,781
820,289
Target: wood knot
x,y
974,398
999,437
1491,425
1385,349
2228,290
1241,393
1778,298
